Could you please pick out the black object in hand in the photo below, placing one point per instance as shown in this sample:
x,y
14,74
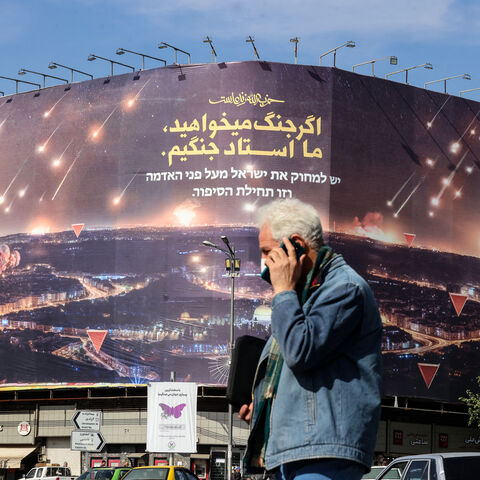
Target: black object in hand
x,y
245,358
299,251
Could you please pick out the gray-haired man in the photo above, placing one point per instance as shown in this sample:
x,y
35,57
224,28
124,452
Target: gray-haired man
x,y
316,405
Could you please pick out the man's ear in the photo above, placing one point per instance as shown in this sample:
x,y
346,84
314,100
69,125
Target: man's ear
x,y
300,240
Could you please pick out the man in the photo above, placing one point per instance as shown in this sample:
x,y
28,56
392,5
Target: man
x,y
316,404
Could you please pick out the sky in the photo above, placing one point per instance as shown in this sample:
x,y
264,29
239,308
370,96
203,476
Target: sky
x,y
442,32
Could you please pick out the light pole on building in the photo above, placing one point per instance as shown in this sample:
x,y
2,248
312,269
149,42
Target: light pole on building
x,y
232,266
426,65
349,44
392,59
465,76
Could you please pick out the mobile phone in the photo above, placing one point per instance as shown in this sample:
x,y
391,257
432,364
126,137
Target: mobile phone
x,y
299,251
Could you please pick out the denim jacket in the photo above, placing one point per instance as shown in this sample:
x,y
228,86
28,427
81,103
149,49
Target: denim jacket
x,y
328,398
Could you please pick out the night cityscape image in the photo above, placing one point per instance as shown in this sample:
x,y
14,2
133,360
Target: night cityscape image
x,y
108,190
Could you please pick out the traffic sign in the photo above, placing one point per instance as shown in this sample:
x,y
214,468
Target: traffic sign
x,y
86,441
87,420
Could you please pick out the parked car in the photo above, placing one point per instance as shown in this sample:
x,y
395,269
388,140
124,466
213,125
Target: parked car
x,y
161,472
49,472
373,473
104,473
434,466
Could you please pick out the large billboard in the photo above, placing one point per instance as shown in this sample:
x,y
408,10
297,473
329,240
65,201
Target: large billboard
x,y
109,187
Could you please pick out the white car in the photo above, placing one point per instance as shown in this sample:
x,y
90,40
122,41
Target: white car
x,y
49,472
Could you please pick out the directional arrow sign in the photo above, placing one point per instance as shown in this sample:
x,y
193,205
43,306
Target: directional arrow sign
x,y
86,441
87,420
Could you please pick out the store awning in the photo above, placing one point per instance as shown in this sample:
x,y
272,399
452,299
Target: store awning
x,y
11,457
136,455
200,455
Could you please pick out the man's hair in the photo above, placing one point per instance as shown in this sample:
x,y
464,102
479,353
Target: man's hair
x,y
286,217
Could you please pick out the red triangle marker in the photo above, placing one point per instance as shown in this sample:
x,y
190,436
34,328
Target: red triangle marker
x,y
409,237
458,301
97,337
428,371
77,228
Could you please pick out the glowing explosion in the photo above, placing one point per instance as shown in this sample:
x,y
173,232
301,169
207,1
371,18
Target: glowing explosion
x,y
8,260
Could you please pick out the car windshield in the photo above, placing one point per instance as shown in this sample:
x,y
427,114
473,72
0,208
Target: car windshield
x,y
146,474
462,468
105,474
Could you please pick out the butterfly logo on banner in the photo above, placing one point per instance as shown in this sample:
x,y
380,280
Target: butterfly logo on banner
x,y
175,412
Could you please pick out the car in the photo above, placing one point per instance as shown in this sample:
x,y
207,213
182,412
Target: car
x,y
49,472
377,470
434,466
104,473
160,472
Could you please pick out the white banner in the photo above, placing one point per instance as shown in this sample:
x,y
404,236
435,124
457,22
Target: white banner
x,y
172,417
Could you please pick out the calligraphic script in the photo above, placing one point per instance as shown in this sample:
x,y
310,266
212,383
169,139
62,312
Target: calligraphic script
x,y
242,98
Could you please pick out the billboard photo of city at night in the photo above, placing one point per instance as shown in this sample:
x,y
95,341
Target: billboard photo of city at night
x,y
109,187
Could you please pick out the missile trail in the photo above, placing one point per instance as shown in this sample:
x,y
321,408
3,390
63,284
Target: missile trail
x,y
48,112
430,123
63,153
128,184
7,209
42,147
448,181
41,198
99,129
390,202
116,200
3,121
409,196
11,182
66,174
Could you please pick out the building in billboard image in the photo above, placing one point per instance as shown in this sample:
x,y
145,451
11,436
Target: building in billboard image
x,y
108,189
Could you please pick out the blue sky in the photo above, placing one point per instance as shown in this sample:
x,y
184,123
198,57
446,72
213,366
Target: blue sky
x,y
443,32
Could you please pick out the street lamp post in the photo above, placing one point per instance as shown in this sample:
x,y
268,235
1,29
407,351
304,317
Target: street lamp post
x,y
17,81
93,57
53,65
426,65
165,45
295,41
232,265
349,44
465,76
252,41
469,90
121,51
24,71
208,40
393,61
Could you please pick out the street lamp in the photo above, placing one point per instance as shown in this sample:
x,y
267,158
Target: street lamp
x,y
17,81
53,65
24,71
349,44
393,61
465,76
165,45
121,51
251,40
469,90
232,265
295,41
426,65
93,57
208,40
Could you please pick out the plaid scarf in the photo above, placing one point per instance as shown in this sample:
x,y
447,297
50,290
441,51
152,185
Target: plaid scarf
x,y
260,431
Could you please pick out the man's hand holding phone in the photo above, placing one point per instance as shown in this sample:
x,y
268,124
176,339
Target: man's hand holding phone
x,y
284,266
